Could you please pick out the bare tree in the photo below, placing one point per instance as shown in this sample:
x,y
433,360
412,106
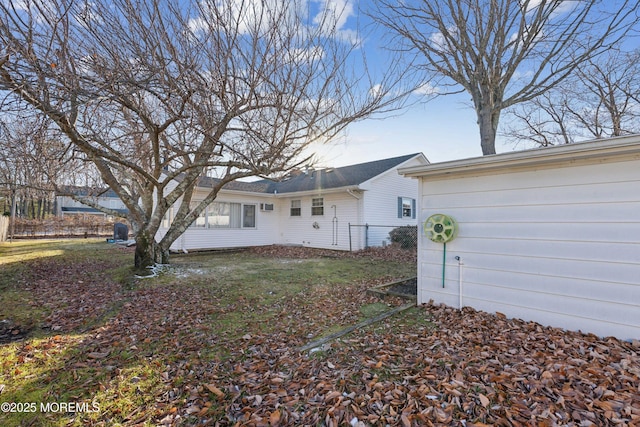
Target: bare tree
x,y
29,163
502,52
156,93
600,100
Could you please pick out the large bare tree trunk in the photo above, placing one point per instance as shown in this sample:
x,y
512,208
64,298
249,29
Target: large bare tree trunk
x,y
488,123
148,252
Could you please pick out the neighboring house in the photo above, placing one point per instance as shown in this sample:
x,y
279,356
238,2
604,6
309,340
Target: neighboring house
x,y
550,235
311,208
66,205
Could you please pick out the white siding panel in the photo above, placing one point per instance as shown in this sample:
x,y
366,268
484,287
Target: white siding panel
x,y
332,230
574,304
381,202
572,231
564,213
579,194
381,197
535,179
558,246
563,250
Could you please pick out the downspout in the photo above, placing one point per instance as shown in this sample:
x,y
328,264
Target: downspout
x,y
351,193
357,197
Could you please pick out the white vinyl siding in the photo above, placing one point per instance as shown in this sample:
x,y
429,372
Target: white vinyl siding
x,y
559,246
332,230
382,203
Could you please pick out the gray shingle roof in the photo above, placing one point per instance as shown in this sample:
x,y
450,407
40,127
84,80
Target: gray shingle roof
x,y
338,177
345,176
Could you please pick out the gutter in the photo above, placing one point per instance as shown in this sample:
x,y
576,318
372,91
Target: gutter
x,y
601,150
352,194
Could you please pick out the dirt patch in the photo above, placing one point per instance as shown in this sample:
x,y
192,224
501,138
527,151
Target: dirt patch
x,y
9,331
387,253
408,287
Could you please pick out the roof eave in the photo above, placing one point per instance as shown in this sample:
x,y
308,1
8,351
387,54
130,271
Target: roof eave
x,y
320,191
527,159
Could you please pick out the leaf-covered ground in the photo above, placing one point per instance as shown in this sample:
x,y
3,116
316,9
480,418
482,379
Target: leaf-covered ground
x,y
214,341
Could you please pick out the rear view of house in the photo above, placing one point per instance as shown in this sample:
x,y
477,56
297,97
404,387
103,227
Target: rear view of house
x,y
343,208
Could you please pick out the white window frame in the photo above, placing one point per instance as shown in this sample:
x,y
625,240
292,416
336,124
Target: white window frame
x,y
235,213
244,215
298,208
406,208
317,206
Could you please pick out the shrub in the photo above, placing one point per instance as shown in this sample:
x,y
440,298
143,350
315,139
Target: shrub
x,y
406,236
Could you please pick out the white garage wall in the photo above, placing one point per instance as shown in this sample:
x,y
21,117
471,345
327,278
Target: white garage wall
x,y
560,246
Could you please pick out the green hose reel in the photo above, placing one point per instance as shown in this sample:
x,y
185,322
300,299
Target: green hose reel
x,y
440,228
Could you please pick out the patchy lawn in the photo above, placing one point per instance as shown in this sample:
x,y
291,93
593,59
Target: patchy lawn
x,y
213,341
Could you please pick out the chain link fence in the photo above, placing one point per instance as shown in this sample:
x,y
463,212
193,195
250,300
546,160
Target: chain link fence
x,y
363,236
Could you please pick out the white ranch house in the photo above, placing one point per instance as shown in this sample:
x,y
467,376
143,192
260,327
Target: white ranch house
x,y
550,235
311,208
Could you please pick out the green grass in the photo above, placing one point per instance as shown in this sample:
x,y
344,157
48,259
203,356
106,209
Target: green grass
x,y
243,295
373,309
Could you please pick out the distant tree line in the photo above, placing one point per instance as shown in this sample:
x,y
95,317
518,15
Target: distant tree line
x,y
30,205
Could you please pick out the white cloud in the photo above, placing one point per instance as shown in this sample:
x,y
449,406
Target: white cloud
x,y
197,24
376,90
333,15
564,6
243,15
307,55
427,89
439,40
337,10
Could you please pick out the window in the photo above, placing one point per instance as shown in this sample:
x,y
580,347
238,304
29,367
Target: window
x,y
218,215
317,206
201,220
166,221
235,210
249,216
296,208
406,207
227,215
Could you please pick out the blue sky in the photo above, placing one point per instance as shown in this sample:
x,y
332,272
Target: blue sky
x,y
443,128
